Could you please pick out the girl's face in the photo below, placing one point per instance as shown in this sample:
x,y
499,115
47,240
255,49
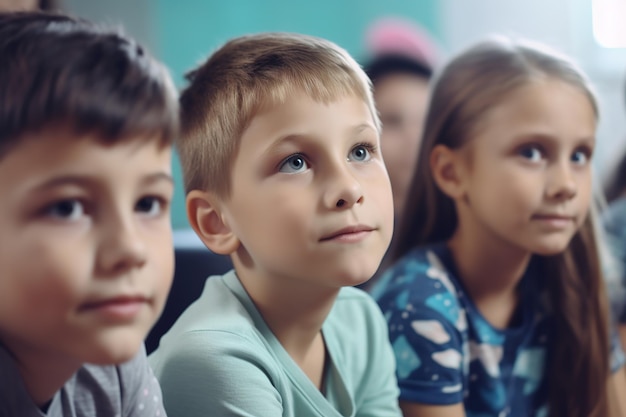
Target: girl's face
x,y
526,173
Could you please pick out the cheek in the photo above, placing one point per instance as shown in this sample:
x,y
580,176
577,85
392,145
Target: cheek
x,y
585,182
504,189
377,184
279,213
52,283
41,269
161,258
387,212
166,271
506,177
584,192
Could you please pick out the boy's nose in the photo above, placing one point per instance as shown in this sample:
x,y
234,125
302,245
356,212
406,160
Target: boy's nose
x,y
121,248
341,203
344,190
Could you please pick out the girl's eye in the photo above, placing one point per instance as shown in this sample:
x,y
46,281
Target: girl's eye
x,y
293,164
580,158
360,153
69,210
151,206
532,153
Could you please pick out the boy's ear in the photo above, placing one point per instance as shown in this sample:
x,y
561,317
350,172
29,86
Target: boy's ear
x,y
448,171
207,220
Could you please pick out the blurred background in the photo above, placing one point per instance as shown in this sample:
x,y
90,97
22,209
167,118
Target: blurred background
x,y
183,32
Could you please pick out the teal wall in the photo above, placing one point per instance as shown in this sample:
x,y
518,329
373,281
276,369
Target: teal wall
x,y
188,30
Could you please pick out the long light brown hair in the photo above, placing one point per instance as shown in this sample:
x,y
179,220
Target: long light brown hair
x,y
467,88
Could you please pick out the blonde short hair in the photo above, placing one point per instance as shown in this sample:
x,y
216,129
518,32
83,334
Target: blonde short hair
x,y
245,74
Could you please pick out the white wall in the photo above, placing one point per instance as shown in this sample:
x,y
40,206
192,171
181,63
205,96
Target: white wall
x,y
563,24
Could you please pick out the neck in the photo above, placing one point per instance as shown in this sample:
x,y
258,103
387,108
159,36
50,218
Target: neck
x,y
490,270
294,310
43,373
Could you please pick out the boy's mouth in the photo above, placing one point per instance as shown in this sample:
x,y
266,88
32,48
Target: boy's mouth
x,y
118,308
349,234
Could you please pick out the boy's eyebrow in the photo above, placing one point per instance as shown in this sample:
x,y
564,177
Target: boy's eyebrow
x,y
87,180
361,127
293,136
157,177
66,180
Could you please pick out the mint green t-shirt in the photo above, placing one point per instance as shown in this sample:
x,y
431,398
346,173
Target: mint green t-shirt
x,y
221,359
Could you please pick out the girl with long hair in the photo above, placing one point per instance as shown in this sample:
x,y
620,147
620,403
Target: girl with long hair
x,y
495,302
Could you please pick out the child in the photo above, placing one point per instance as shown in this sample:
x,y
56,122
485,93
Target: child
x,y
282,168
401,94
496,305
86,122
400,67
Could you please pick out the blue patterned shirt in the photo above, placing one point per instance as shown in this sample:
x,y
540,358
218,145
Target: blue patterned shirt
x,y
446,351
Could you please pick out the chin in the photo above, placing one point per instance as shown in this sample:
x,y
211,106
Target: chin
x,y
115,358
357,281
115,351
550,249
356,277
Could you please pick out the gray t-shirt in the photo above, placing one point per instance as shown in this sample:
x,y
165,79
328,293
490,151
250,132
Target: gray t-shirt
x,y
125,390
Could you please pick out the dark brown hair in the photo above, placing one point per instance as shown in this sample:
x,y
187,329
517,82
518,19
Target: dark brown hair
x,y
66,73
468,87
382,66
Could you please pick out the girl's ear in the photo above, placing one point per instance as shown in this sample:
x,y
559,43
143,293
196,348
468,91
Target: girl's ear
x,y
204,211
447,169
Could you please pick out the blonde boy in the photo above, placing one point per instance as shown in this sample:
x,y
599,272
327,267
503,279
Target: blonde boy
x,y
283,172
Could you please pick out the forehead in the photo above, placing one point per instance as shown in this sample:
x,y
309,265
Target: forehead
x,y
300,114
49,152
543,107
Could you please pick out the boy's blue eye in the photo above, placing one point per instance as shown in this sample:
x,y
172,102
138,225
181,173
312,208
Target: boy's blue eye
x,y
66,210
580,158
293,164
152,206
532,153
360,153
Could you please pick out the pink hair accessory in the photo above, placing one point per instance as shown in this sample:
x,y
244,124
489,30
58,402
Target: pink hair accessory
x,y
401,36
